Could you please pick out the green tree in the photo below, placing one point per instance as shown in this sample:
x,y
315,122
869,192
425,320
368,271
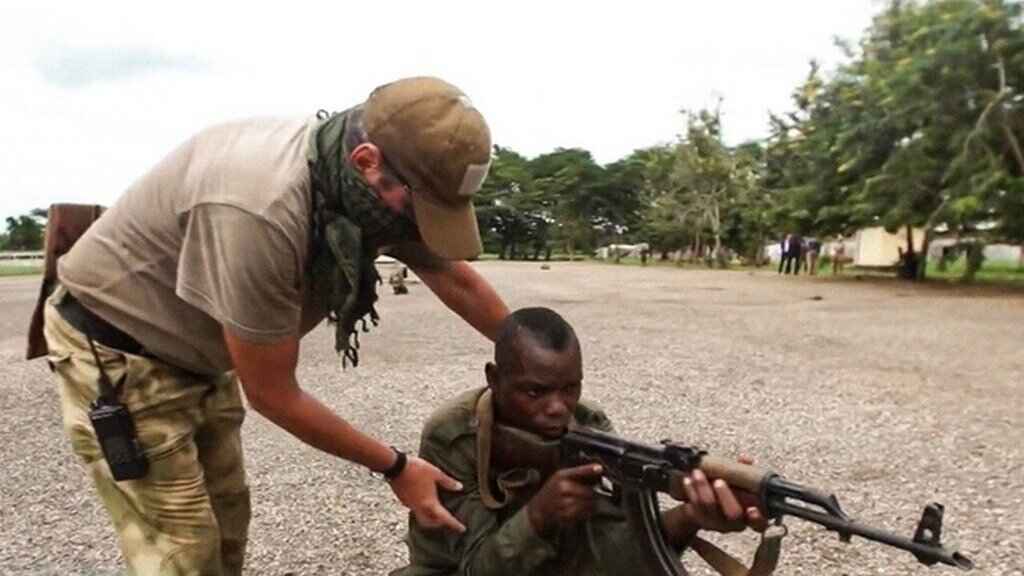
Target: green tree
x,y
665,221
508,206
572,186
710,185
751,217
23,233
622,192
921,129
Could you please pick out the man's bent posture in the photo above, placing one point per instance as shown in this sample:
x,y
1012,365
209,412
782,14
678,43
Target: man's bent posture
x,y
208,271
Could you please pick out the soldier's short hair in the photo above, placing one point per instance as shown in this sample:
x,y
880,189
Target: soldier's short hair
x,y
545,326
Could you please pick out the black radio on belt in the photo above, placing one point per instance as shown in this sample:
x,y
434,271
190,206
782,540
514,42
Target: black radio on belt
x,y
115,430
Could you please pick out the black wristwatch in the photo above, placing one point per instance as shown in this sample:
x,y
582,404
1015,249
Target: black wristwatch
x,y
396,469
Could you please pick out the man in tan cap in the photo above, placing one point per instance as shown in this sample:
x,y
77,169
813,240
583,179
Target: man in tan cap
x,y
208,271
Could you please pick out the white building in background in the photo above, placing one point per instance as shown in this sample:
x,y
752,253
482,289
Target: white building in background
x,y
1002,253
874,247
877,248
21,258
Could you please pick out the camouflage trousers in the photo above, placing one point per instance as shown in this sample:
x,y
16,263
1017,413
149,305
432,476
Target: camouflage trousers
x,y
190,514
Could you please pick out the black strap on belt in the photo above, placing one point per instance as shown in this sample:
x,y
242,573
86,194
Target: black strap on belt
x,y
108,391
98,329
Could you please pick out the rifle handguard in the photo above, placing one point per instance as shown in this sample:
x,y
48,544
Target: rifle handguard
x,y
737,475
746,477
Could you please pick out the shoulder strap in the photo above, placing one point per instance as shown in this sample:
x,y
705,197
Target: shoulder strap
x,y
485,428
766,558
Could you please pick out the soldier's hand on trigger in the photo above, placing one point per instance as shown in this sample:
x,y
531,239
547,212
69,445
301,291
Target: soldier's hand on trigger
x,y
416,487
567,497
714,505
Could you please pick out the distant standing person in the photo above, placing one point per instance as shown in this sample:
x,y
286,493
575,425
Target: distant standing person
x,y
796,253
813,249
784,253
792,251
838,256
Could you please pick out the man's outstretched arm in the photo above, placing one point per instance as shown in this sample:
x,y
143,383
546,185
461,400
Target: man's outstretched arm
x,y
267,373
458,285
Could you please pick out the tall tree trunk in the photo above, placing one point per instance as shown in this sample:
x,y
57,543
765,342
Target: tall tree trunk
x,y
922,266
975,258
719,258
911,263
1007,129
1017,153
909,256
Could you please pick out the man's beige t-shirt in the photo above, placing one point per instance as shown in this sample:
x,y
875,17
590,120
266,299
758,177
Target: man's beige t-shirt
x,y
217,234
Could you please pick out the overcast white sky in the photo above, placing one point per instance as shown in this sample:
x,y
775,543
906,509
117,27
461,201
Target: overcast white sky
x,y
96,92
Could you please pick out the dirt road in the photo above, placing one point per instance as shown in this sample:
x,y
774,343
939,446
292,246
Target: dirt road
x,y
890,395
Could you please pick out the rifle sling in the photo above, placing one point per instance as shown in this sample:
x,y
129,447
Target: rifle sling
x,y
765,558
485,421
541,455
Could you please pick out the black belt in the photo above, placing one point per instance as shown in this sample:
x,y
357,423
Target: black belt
x,y
88,323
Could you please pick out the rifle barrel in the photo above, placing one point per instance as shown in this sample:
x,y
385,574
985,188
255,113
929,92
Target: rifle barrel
x,y
926,553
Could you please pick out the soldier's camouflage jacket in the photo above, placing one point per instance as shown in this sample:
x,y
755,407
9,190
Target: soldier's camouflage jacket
x,y
500,542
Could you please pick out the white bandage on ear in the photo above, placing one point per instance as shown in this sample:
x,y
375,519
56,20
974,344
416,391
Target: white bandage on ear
x,y
473,179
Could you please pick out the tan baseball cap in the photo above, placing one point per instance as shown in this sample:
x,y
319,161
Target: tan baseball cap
x,y
430,133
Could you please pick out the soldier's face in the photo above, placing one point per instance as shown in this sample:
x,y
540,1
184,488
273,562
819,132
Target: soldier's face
x,y
539,391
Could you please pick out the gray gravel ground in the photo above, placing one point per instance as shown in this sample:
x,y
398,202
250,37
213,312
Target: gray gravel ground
x,y
889,395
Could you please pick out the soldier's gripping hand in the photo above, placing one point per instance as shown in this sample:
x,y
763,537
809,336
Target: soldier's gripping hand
x,y
714,505
416,487
566,498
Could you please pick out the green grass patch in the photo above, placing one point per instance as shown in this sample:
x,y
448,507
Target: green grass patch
x,y
555,257
20,269
996,273
999,273
657,262
1002,272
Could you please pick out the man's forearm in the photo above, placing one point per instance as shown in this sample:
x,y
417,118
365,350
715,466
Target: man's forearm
x,y
469,295
311,421
482,307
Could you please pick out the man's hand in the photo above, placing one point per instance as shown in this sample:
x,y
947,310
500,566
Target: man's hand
x,y
711,505
267,372
416,488
566,498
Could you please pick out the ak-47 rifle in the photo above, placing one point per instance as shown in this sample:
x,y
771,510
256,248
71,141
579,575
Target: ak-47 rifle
x,y
638,472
